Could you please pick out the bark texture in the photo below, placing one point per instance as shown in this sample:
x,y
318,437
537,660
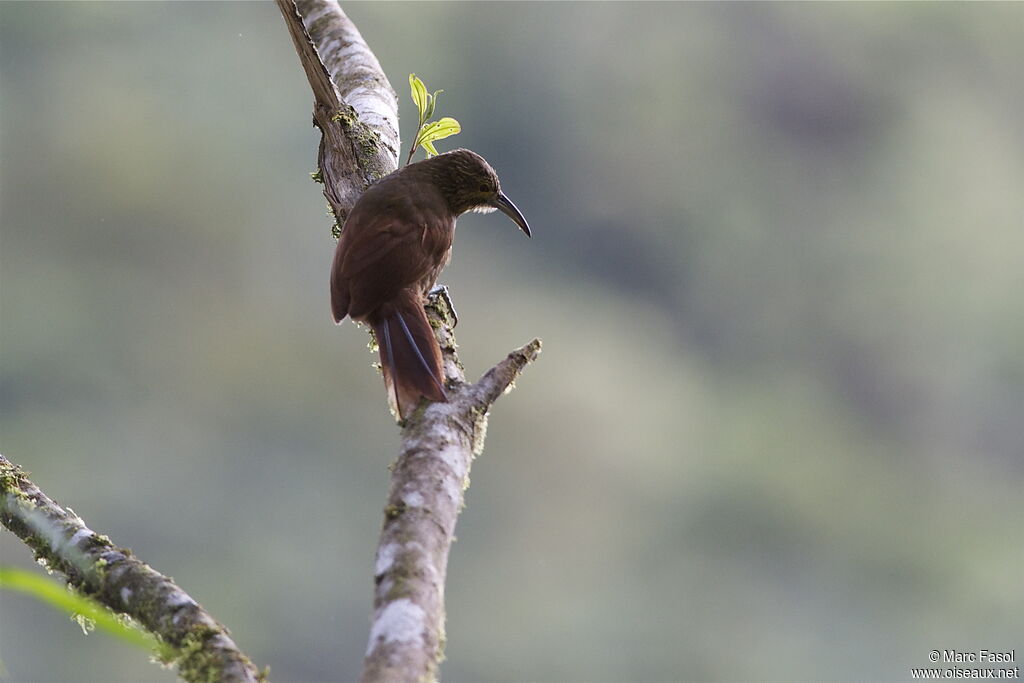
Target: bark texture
x,y
439,442
356,110
112,576
354,105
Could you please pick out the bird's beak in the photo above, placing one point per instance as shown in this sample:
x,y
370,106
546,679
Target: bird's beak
x,y
505,205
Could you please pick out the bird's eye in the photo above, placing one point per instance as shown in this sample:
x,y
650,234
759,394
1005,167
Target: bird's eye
x,y
483,187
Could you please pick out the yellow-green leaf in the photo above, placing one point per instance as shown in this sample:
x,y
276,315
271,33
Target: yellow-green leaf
x,y
419,96
428,147
61,598
431,103
440,129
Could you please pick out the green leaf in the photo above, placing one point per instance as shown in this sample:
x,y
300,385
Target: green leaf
x,y
80,607
431,101
419,96
428,147
440,129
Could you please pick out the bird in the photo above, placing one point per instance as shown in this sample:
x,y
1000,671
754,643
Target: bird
x,y
394,244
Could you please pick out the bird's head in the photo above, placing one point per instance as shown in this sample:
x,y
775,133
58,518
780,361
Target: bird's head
x,y
470,184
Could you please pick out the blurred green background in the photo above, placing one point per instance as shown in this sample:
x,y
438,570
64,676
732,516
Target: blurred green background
x,y
776,430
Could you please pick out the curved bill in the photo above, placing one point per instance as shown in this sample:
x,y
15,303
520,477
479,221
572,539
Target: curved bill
x,y
505,205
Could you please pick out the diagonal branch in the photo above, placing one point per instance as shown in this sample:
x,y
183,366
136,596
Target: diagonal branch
x,y
427,487
110,575
354,106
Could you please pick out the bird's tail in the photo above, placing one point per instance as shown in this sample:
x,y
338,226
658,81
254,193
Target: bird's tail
x,y
410,357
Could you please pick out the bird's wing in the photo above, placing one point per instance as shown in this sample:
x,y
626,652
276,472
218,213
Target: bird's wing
x,y
379,254
375,240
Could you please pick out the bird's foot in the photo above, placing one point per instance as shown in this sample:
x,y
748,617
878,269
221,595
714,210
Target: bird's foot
x,y
442,291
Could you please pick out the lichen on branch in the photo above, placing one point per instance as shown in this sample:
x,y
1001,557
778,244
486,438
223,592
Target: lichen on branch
x,y
198,645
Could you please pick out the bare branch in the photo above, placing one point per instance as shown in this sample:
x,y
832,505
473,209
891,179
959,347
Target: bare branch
x,y
354,68
355,107
109,574
428,481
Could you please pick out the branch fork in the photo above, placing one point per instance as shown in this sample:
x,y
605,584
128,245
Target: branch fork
x,y
428,482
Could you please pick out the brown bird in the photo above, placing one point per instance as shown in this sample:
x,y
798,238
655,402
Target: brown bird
x,y
394,245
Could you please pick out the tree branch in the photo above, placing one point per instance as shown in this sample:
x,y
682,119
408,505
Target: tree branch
x,y
110,575
355,107
439,440
428,482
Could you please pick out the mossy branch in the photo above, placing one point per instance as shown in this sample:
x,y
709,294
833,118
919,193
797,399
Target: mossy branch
x,y
355,107
439,440
199,646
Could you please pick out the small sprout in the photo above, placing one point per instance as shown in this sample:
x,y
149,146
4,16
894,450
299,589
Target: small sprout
x,y
428,131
